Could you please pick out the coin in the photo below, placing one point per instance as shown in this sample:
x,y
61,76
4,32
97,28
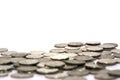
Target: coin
x,y
41,64
56,76
78,73
107,61
3,74
5,61
72,49
93,43
109,45
92,54
34,56
84,58
57,51
19,54
69,67
117,55
60,45
16,60
74,78
47,70
55,64
59,57
116,51
6,67
37,52
95,49
3,49
28,62
26,68
75,62
75,44
115,73
106,56
8,53
21,75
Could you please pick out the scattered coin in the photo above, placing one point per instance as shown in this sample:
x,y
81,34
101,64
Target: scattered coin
x,y
75,44
74,78
26,68
56,76
92,54
109,45
19,54
57,51
21,75
55,64
95,49
93,43
37,52
69,67
5,61
60,45
47,70
75,62
59,57
107,61
106,56
84,58
34,56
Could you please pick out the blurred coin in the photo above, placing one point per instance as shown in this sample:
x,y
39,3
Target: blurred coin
x,y
60,45
75,44
47,70
74,78
21,75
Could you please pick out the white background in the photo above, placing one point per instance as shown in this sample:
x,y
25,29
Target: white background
x,y
27,25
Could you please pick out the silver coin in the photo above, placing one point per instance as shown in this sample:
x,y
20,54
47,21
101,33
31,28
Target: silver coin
x,y
84,58
93,43
107,61
109,45
8,53
21,75
19,54
5,61
60,45
69,67
47,70
57,51
92,54
34,56
95,49
6,67
59,57
37,52
75,44
74,78
26,68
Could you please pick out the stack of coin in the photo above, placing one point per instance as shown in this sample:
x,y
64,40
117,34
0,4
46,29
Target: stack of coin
x,y
67,61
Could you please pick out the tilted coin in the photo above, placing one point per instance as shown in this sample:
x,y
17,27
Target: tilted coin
x,y
74,78
34,56
75,62
28,62
3,49
56,76
55,64
93,43
6,67
57,51
106,56
109,45
70,55
72,49
75,44
92,54
3,74
50,54
16,60
115,73
21,75
37,52
47,70
19,54
69,67
78,73
84,58
104,76
106,53
107,61
26,68
59,57
60,45
95,49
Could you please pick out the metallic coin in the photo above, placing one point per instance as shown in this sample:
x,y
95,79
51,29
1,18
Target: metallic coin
x,y
115,73
75,62
50,54
28,62
106,56
21,75
3,74
116,51
69,67
92,54
84,58
70,55
26,68
19,54
95,49
93,43
72,49
6,67
3,49
107,61
106,53
37,52
117,55
34,56
44,59
16,60
41,64
47,70
109,45
75,44
78,73
5,61
56,76
92,65
60,45
55,64
74,78
59,57
104,76
83,48
57,51
8,53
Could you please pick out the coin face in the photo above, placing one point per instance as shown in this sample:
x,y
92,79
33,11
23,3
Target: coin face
x,y
55,64
107,61
28,62
75,44
60,45
115,72
74,78
47,70
21,75
56,76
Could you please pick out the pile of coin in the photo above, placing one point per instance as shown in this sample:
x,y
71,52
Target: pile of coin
x,y
67,61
